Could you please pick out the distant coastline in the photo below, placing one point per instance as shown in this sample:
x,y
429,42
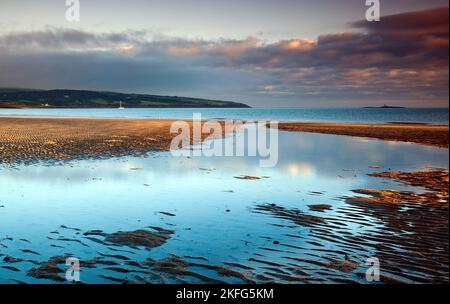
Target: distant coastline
x,y
79,99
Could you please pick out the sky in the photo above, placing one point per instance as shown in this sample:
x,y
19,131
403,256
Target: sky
x,y
266,53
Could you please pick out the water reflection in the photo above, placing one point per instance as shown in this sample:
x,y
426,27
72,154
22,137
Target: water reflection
x,y
214,212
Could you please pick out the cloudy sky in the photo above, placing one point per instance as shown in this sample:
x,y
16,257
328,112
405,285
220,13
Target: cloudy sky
x,y
268,53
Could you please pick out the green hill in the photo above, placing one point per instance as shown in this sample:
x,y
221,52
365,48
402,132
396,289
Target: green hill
x,y
29,98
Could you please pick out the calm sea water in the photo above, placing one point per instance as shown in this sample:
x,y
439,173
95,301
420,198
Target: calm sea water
x,y
431,116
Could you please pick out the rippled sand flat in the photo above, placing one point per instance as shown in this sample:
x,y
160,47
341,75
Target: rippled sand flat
x,y
30,139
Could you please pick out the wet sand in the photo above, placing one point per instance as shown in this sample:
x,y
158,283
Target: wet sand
x,y
415,133
412,245
315,246
34,139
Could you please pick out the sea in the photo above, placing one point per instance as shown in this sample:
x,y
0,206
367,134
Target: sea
x,y
437,116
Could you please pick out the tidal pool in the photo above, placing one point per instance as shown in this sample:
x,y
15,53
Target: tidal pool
x,y
219,228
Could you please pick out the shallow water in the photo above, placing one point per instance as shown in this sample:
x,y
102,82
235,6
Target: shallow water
x,y
215,217
349,115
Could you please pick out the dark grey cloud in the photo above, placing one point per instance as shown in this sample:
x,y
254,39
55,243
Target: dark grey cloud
x,y
427,21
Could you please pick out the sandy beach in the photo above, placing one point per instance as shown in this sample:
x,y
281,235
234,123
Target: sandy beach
x,y
29,139
432,135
